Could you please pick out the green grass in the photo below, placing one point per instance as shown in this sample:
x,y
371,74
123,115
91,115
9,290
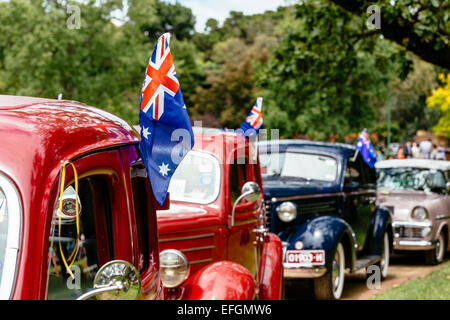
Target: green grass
x,y
434,286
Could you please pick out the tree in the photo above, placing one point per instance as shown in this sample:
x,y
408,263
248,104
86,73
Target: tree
x,y
409,108
154,17
230,90
328,75
441,98
421,26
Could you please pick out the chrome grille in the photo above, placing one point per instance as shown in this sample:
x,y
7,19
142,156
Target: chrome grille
x,y
268,213
408,232
317,207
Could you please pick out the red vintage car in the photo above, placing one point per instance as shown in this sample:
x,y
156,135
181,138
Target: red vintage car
x,y
217,214
77,215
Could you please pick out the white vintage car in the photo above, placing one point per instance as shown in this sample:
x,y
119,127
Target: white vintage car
x,y
417,192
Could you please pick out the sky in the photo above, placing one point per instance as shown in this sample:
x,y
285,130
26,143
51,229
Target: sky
x,y
219,9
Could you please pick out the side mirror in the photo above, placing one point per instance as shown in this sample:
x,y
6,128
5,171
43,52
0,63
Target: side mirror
x,y
115,280
250,191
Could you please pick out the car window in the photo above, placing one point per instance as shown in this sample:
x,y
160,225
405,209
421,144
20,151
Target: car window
x,y
143,209
353,173
95,245
296,165
197,179
238,176
418,179
3,230
10,232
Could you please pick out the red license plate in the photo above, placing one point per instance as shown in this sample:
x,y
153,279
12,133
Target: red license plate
x,y
304,258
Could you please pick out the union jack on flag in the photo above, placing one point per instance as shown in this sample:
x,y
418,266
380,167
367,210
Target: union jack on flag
x,y
365,147
166,132
160,79
255,118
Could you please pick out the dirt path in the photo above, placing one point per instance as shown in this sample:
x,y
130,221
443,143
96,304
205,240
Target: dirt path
x,y
402,268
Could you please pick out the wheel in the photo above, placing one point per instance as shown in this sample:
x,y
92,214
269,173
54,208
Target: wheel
x,y
384,262
331,285
436,256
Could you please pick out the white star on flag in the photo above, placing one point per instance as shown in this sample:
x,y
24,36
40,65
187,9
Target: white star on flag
x,y
164,169
145,132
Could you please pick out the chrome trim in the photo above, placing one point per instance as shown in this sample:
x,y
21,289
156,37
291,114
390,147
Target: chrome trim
x,y
324,195
442,217
419,224
414,244
206,235
197,248
10,265
310,196
304,273
200,261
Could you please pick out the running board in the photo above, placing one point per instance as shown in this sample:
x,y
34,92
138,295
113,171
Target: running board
x,y
366,261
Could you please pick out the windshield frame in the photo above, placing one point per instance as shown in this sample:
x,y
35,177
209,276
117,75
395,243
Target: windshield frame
x,y
308,152
13,239
218,182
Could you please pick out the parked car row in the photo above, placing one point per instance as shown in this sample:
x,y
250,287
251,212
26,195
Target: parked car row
x,y
78,218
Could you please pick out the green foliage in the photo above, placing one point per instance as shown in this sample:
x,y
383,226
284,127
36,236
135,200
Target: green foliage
x,y
396,132
433,286
420,26
409,96
321,72
441,98
328,75
233,53
155,17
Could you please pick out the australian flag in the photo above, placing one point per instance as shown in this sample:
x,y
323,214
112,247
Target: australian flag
x,y
166,132
255,119
364,147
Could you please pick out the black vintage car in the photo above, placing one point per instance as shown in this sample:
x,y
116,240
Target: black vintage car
x,y
321,201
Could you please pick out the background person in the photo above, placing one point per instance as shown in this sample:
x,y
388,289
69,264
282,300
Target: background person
x,y
415,150
425,149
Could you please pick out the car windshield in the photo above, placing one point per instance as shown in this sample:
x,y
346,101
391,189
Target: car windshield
x,y
295,165
410,179
3,231
197,179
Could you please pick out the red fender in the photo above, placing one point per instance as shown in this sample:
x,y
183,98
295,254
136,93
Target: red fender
x,y
271,269
223,280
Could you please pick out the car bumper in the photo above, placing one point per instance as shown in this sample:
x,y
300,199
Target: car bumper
x,y
402,244
413,236
304,273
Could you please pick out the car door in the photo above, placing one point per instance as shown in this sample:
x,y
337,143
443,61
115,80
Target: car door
x,y
360,197
241,238
103,231
195,223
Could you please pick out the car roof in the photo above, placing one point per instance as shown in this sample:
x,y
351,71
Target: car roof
x,y
37,132
414,163
330,147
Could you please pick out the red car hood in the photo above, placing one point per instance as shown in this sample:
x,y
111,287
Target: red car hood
x,y
182,217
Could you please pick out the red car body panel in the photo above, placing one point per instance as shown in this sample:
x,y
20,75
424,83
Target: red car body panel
x,y
37,135
203,234
222,280
271,269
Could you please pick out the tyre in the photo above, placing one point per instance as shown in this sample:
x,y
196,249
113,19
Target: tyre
x,y
436,256
331,285
383,264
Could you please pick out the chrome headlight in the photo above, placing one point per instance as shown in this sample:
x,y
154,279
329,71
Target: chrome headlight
x,y
420,214
287,211
174,268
